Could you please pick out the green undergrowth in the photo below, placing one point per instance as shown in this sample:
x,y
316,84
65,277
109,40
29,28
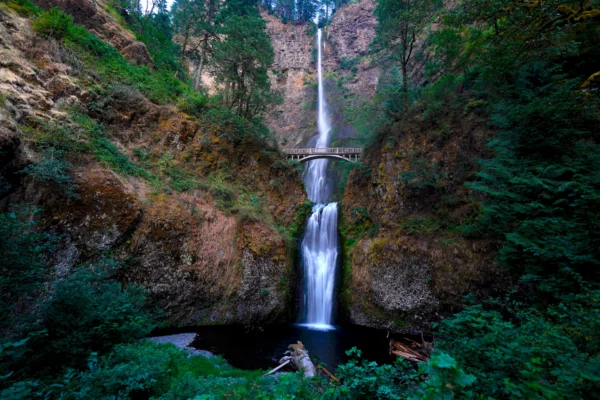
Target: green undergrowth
x,y
352,227
60,144
104,61
295,230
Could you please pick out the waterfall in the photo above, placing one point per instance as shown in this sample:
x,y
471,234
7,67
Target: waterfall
x,y
320,245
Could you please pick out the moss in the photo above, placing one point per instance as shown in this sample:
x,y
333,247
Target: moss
x,y
474,105
25,8
400,322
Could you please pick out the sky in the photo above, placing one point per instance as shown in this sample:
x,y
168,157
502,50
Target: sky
x,y
149,3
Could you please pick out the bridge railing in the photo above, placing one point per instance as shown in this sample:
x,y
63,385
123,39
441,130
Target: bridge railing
x,y
324,150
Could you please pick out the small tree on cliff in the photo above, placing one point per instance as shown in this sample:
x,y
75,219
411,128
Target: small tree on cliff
x,y
197,19
400,24
242,59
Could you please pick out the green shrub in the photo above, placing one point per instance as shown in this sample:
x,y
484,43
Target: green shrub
x,y
24,8
193,103
138,370
51,167
23,256
364,379
230,126
523,358
91,312
444,379
150,370
439,378
53,23
349,63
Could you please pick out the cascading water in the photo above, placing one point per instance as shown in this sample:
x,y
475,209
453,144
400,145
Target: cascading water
x,y
320,244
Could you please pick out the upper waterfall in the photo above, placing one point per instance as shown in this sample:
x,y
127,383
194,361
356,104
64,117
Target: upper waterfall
x,y
316,172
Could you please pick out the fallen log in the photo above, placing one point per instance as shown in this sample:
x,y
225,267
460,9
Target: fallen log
x,y
299,358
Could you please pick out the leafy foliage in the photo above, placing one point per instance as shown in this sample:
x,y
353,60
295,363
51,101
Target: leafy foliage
x,y
23,251
528,357
241,60
440,377
90,312
147,370
52,167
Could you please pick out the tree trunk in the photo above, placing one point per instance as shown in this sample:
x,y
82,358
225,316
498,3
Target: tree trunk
x,y
200,66
405,83
185,42
298,355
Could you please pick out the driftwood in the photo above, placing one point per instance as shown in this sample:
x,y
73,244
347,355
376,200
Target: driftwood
x,y
402,350
277,368
299,358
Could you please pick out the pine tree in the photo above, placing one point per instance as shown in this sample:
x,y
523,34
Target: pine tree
x,y
198,19
242,58
399,24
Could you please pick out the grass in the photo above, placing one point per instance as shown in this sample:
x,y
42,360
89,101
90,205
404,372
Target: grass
x,y
217,366
25,8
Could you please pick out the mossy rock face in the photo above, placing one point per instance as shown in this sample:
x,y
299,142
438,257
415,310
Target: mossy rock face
x,y
194,216
405,258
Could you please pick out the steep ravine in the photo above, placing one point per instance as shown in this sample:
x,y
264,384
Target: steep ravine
x,y
205,255
406,263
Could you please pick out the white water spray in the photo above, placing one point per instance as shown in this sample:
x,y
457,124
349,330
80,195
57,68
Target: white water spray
x,y
320,244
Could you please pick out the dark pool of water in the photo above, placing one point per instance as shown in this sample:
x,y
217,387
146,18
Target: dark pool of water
x,y
262,348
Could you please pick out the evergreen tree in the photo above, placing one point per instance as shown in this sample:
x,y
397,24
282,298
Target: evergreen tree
x,y
399,24
242,58
197,19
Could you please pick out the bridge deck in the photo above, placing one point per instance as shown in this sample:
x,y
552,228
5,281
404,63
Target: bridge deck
x,y
324,151
350,154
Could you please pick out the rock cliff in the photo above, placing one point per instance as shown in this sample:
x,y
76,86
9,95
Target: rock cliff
x,y
407,262
172,204
97,17
294,76
350,77
351,32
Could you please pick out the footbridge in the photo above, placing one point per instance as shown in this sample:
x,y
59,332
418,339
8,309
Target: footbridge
x,y
350,154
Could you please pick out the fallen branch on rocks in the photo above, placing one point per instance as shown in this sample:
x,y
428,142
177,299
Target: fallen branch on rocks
x,y
402,350
277,368
299,358
329,373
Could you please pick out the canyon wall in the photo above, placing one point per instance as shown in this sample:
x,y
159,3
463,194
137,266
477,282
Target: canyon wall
x,y
293,75
205,252
409,259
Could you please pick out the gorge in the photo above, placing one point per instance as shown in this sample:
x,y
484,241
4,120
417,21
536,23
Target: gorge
x,y
409,189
